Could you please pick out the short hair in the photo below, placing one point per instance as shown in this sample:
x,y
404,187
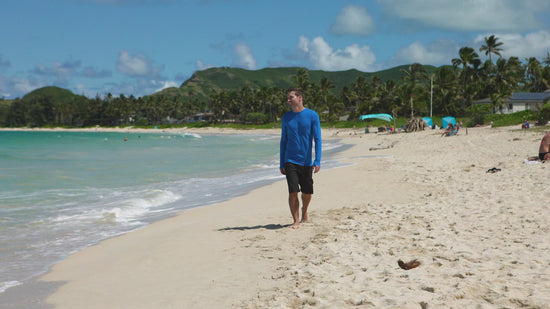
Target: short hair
x,y
298,91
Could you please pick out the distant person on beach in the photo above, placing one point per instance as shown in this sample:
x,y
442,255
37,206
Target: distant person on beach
x,y
449,131
300,127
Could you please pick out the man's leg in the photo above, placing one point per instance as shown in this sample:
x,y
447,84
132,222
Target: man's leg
x,y
306,198
294,204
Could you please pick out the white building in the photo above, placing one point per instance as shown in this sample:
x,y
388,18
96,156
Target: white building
x,y
520,101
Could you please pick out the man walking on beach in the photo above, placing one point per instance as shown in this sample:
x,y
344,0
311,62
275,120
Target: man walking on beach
x,y
300,127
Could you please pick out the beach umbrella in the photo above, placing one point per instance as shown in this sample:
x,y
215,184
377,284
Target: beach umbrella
x,y
386,117
428,121
446,120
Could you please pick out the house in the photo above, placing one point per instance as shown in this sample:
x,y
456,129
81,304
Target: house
x,y
520,101
201,117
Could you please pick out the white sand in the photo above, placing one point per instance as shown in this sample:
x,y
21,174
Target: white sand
x,y
483,238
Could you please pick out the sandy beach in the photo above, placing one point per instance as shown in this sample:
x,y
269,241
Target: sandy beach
x,y
482,238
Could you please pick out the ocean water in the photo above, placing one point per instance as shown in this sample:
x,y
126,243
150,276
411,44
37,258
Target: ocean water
x,y
63,191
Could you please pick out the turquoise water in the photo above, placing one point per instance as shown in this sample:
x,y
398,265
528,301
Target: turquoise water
x,y
63,191
48,160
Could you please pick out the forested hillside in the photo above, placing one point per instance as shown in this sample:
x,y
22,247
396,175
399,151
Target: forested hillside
x,y
244,96
203,83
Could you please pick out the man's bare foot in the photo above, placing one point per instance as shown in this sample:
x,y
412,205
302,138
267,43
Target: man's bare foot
x,y
305,218
294,226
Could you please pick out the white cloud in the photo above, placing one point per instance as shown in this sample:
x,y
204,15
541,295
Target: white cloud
x,y
81,89
534,44
353,20
116,2
202,66
125,88
471,15
137,66
244,57
62,70
58,69
91,72
440,52
165,84
437,53
18,87
322,56
4,63
139,87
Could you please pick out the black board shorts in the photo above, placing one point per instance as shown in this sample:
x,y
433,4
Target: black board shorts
x,y
299,178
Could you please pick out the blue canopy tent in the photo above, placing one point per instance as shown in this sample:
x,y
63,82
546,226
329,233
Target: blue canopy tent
x,y
446,120
428,121
386,117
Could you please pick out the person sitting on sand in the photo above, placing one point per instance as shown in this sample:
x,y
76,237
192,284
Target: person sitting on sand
x,y
449,131
544,149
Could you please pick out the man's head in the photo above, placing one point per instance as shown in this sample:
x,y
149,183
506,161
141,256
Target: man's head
x,y
295,97
297,91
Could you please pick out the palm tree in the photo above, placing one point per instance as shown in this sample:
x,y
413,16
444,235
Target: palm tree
x,y
325,85
302,79
467,57
347,96
492,46
360,91
387,96
534,76
217,104
498,97
546,60
507,74
415,72
445,90
277,102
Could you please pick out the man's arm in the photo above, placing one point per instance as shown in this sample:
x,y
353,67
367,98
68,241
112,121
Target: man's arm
x,y
318,143
282,147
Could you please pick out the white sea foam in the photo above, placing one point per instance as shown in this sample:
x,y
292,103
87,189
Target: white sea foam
x,y
331,146
264,138
8,284
267,166
188,134
136,208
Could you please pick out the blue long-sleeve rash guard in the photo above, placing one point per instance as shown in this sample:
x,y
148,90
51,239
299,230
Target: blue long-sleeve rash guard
x,y
299,130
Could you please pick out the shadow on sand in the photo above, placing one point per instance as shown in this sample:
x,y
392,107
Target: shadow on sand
x,y
257,227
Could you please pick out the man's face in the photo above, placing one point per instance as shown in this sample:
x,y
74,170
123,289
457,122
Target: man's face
x,y
292,99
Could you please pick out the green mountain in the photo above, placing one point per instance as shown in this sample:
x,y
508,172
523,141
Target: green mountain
x,y
56,94
205,82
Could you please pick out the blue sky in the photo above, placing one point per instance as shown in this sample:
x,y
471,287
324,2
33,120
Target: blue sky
x,y
138,47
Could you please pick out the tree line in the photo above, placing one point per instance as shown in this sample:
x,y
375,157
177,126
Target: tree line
x,y
450,90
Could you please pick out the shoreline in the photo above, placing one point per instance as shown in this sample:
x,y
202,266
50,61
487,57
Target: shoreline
x,y
418,196
206,130
139,130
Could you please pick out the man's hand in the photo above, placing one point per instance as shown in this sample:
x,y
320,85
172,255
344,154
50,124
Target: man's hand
x,y
283,171
316,168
